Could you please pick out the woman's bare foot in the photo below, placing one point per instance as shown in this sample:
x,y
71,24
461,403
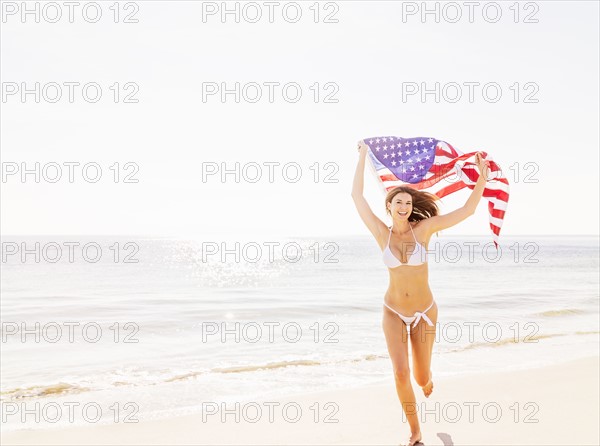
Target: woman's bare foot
x,y
414,439
428,388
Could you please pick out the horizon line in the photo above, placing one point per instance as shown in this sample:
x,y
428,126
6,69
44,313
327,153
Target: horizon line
x,y
287,235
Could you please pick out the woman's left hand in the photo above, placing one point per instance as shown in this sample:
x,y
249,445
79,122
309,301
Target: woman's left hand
x,y
483,165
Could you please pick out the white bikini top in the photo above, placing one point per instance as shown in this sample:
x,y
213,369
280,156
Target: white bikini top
x,y
391,261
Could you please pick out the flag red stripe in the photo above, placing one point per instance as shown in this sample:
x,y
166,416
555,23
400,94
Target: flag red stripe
x,y
450,189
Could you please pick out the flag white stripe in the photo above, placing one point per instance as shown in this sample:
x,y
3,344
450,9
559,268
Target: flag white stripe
x,y
496,221
498,204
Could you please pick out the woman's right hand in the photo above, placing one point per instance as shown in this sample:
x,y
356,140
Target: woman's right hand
x,y
362,147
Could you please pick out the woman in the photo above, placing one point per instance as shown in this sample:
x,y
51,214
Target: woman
x,y
408,301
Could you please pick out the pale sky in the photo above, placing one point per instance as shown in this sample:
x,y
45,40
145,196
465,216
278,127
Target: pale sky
x,y
370,54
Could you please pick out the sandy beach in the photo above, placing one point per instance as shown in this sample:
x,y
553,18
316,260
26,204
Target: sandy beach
x,y
553,405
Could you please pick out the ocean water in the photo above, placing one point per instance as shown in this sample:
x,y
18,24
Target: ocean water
x,y
160,327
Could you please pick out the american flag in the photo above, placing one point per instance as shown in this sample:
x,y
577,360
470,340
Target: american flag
x,y
423,162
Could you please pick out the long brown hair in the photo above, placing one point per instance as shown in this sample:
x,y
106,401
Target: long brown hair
x,y
423,203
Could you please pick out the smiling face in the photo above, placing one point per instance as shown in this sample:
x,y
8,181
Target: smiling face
x,y
401,206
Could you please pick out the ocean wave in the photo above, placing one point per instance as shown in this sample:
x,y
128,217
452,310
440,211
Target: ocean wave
x,y
65,388
170,376
514,340
563,312
42,391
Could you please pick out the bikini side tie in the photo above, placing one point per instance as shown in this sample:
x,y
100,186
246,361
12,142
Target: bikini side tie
x,y
420,315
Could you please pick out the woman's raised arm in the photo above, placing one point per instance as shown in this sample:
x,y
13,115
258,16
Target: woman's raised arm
x,y
375,225
358,184
441,222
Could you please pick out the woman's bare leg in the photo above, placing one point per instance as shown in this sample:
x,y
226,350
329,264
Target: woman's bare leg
x,y
422,338
396,338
